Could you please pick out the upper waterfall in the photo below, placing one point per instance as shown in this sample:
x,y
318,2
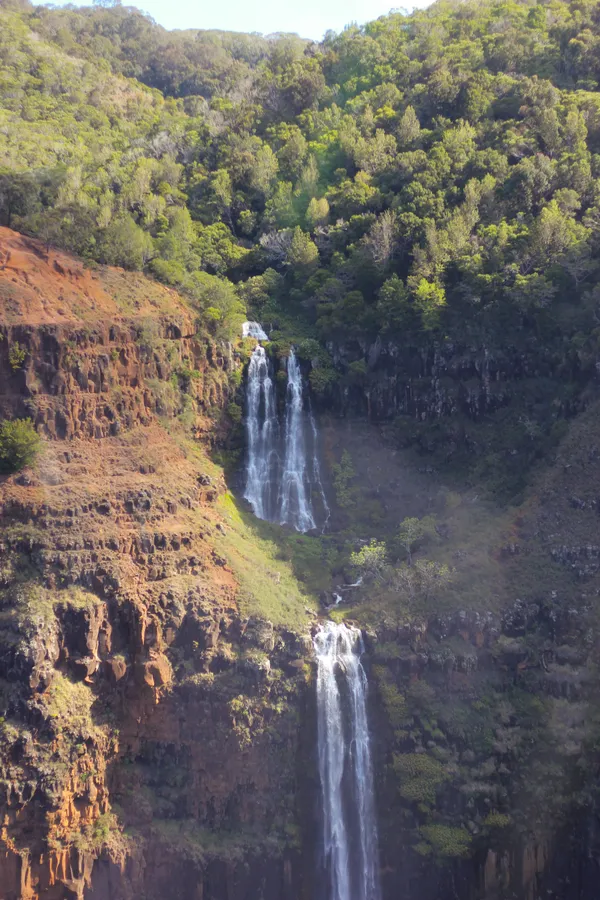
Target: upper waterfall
x,y
254,330
350,850
282,469
262,433
296,506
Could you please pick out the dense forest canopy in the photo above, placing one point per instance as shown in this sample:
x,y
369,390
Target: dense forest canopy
x,y
423,175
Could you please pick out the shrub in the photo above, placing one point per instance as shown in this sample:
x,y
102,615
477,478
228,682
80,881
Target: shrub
x,y
420,777
16,356
323,379
19,444
343,477
413,531
370,560
496,820
234,411
445,841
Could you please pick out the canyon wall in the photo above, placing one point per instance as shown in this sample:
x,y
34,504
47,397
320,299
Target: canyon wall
x,y
158,729
151,727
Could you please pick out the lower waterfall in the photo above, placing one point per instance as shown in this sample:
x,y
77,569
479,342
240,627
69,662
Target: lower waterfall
x,y
350,851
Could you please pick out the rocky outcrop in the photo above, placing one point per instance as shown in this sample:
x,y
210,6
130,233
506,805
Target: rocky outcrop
x,y
98,381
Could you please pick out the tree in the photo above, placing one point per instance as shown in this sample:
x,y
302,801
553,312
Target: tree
x,y
413,531
409,128
19,195
381,242
221,193
19,444
554,232
429,300
317,212
422,579
302,252
293,153
280,212
307,185
376,154
263,170
393,306
370,561
126,244
432,576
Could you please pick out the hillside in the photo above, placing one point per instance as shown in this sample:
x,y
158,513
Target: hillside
x,y
413,207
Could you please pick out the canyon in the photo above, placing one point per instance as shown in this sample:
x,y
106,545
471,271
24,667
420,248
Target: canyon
x,y
300,456
159,730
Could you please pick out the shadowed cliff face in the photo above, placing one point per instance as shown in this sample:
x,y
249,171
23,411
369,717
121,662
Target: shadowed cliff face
x,y
150,728
484,691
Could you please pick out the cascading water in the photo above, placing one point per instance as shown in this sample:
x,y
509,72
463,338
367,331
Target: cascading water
x,y
349,826
296,507
261,431
254,330
316,470
280,492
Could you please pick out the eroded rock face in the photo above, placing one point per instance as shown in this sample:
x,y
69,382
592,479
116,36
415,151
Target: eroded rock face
x,y
150,733
156,742
101,380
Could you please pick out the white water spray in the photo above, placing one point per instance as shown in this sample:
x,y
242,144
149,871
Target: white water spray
x,y
261,431
296,507
345,768
316,471
280,492
254,330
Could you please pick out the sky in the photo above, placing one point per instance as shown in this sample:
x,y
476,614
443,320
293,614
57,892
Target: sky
x,y
308,18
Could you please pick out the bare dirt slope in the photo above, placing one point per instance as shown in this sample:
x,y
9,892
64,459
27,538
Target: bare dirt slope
x,y
43,286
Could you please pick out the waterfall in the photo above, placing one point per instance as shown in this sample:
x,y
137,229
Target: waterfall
x,y
345,769
296,506
316,470
254,330
261,431
280,492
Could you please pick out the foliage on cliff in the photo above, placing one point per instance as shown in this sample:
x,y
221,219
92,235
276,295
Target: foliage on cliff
x,y
420,173
19,444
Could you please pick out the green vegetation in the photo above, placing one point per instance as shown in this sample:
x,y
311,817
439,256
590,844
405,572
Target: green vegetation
x,y
420,777
444,841
426,186
268,585
370,560
70,702
401,178
413,531
16,356
19,444
344,477
104,834
201,845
